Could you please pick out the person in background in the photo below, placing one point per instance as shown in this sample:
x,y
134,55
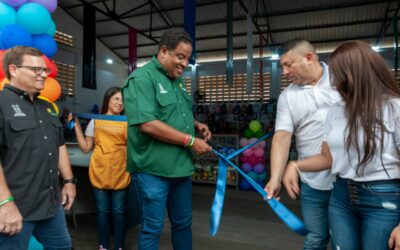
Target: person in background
x,y
107,170
361,144
161,141
33,153
301,111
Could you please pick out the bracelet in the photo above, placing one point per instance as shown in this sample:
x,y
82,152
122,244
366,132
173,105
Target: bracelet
x,y
186,140
191,142
6,200
296,166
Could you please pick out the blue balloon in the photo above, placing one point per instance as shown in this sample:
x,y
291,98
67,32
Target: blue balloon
x,y
51,31
45,43
244,185
14,35
252,175
7,14
34,17
262,176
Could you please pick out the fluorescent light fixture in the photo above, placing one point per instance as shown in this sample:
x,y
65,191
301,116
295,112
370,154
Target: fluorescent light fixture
x,y
274,57
191,65
109,61
376,48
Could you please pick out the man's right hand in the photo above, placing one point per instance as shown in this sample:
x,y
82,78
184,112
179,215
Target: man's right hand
x,y
273,188
10,219
200,146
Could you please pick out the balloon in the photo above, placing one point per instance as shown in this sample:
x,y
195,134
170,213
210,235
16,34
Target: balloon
x,y
260,159
259,152
252,160
248,152
14,3
51,31
259,133
261,144
13,35
3,82
45,43
50,5
244,185
246,167
259,168
2,74
52,66
255,126
248,133
262,176
34,17
243,142
52,89
243,158
7,14
261,183
252,175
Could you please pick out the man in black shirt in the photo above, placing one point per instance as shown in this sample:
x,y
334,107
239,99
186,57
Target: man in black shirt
x,y
33,155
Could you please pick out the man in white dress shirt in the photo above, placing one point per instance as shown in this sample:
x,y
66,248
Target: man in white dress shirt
x,y
301,112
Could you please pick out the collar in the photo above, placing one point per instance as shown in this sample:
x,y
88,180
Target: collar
x,y
159,66
19,92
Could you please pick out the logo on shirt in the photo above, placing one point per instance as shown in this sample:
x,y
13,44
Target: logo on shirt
x,y
51,112
182,86
162,90
17,110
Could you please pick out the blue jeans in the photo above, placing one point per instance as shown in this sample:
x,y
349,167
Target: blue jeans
x,y
314,208
52,233
156,193
111,211
363,214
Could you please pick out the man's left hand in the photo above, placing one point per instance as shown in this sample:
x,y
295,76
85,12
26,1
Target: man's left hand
x,y
204,130
68,194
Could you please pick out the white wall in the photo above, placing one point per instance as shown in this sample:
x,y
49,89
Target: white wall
x,y
107,74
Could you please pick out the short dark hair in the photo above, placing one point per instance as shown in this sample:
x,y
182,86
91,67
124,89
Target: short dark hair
x,y
294,43
106,99
172,37
15,55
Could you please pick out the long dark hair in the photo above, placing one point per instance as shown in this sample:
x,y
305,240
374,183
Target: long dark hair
x,y
106,99
363,79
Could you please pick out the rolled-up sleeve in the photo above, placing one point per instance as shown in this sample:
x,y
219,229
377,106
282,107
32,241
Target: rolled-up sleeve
x,y
284,120
140,103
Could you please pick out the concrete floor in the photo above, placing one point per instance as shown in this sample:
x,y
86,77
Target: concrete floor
x,y
247,224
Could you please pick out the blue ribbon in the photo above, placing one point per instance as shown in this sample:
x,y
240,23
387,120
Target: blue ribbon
x,y
291,220
118,118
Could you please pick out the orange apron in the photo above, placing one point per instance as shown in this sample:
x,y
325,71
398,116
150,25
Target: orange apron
x,y
107,169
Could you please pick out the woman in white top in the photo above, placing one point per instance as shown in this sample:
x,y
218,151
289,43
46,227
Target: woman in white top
x,y
361,144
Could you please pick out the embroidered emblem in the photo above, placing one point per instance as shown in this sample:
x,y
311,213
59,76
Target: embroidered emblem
x,y
182,86
162,90
51,112
17,110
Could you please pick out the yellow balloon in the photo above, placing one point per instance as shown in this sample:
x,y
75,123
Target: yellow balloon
x,y
3,82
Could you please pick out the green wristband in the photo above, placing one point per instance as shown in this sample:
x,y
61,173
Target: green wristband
x,y
191,142
6,200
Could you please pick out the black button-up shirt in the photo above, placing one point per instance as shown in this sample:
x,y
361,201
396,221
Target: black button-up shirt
x,y
30,137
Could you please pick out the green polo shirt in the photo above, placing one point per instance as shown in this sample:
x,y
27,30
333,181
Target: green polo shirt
x,y
150,94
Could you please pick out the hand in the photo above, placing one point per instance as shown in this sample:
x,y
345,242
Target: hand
x,y
10,219
272,188
68,194
394,240
205,131
291,181
200,146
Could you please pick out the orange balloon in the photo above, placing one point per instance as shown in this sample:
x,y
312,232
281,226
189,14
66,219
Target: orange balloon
x,y
1,64
3,82
52,89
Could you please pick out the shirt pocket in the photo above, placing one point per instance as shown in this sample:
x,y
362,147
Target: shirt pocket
x,y
167,104
22,132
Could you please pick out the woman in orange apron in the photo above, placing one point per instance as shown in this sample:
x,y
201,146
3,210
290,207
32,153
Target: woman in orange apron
x,y
107,169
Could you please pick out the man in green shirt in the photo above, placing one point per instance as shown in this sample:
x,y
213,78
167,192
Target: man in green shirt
x,y
161,141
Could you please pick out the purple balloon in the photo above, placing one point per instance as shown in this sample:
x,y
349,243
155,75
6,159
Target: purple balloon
x,y
259,168
14,3
50,5
246,167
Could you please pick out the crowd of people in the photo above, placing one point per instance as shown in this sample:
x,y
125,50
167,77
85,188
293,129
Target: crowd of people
x,y
343,116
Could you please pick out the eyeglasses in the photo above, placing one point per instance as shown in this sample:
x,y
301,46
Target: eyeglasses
x,y
37,70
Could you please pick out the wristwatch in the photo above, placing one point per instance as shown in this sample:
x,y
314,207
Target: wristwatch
x,y
72,180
